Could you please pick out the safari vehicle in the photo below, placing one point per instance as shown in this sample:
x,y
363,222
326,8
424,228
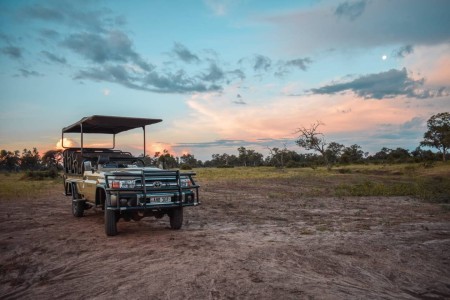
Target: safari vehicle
x,y
120,183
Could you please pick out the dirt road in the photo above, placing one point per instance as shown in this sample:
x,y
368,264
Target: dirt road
x,y
244,242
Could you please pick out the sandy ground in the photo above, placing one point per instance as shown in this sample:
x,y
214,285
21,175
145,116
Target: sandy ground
x,y
260,241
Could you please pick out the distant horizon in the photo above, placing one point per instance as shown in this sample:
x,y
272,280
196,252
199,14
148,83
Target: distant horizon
x,y
232,150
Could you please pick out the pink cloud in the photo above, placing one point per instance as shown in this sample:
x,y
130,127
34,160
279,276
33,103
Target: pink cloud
x,y
433,63
280,117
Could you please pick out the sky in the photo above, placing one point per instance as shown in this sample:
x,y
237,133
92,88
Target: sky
x,y
224,73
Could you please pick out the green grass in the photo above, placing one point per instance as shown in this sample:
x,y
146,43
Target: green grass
x,y
19,186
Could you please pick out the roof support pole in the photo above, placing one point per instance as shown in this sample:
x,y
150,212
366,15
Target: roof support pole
x,y
145,153
81,127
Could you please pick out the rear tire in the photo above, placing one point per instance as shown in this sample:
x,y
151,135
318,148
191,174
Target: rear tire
x,y
176,218
77,206
110,222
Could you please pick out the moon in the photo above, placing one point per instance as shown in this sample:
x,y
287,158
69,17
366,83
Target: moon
x,y
384,57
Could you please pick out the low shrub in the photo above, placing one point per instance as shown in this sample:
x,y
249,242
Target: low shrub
x,y
344,171
40,175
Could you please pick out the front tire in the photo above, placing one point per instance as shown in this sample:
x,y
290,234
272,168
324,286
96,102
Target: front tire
x,y
176,218
77,205
110,222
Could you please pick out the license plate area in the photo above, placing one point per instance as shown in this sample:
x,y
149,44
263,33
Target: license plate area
x,y
161,199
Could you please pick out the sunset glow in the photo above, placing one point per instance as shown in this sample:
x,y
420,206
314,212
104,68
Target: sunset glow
x,y
224,74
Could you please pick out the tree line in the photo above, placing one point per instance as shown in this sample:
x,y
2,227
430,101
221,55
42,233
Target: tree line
x,y
335,154
310,138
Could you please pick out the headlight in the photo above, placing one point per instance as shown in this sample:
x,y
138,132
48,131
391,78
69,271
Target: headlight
x,y
123,184
185,182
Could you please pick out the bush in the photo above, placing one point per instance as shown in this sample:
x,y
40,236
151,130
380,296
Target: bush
x,y
40,175
344,171
185,167
293,164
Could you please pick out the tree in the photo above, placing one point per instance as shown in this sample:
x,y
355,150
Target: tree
x,y
276,157
255,158
148,161
421,155
221,160
189,160
352,154
399,155
165,160
382,155
334,152
243,156
52,159
249,157
30,160
9,160
311,139
438,134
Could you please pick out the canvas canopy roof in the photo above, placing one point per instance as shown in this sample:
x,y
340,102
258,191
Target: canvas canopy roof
x,y
108,124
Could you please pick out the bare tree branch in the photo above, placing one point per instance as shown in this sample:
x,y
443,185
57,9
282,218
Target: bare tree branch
x,y
311,139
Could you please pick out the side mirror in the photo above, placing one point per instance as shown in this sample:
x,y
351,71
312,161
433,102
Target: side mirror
x,y
88,166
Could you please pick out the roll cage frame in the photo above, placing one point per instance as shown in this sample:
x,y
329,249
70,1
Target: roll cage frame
x,y
106,125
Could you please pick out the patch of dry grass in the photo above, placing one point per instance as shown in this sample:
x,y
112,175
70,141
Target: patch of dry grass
x,y
430,184
18,186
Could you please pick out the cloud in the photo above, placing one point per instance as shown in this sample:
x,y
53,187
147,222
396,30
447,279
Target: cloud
x,y
49,34
236,143
214,74
284,67
196,79
6,38
361,25
301,63
184,54
92,33
261,63
348,120
433,62
236,74
178,82
384,85
12,52
68,142
282,115
411,130
44,13
273,123
114,46
27,73
65,13
53,57
219,7
213,144
239,100
403,51
109,73
350,10
203,150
